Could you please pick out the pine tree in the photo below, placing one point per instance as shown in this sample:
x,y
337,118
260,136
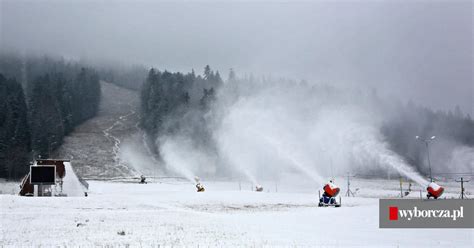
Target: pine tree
x,y
207,72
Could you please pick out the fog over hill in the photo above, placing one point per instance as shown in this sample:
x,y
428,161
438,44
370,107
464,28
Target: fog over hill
x,y
418,50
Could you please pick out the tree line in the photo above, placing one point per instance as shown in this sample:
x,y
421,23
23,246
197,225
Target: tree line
x,y
41,100
175,103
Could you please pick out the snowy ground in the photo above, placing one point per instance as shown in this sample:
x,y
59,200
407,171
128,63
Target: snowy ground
x,y
168,212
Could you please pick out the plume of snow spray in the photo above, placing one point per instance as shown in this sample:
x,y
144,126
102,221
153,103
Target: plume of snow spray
x,y
372,149
462,159
282,127
183,158
273,128
134,152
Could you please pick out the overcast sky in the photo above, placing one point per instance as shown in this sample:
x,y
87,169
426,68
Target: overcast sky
x,y
419,50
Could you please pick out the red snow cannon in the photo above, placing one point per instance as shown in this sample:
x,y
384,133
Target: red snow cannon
x,y
434,190
331,190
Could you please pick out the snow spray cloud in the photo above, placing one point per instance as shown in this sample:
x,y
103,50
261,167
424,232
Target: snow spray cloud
x,y
135,153
462,159
278,126
182,157
264,129
250,141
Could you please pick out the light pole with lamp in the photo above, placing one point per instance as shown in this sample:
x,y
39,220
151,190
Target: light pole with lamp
x,y
427,141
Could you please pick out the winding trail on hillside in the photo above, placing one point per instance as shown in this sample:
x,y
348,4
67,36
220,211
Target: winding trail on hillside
x,y
95,147
108,133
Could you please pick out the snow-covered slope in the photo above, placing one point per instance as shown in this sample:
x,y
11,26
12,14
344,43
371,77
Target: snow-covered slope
x,y
93,147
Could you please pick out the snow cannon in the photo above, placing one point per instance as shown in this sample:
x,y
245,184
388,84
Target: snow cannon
x,y
200,187
329,196
331,190
434,190
258,188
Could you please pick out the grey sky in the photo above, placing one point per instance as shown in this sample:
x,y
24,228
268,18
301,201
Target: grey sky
x,y
419,50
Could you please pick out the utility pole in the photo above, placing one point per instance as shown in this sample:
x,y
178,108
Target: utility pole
x,y
429,161
462,181
401,188
426,141
349,192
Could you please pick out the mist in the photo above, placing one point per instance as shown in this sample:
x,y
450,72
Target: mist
x,y
418,50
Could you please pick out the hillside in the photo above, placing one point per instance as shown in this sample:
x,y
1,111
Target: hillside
x,y
94,146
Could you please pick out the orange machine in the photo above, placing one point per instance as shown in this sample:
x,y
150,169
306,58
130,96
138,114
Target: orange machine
x,y
434,190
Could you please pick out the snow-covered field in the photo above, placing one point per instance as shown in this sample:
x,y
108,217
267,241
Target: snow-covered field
x,y
168,212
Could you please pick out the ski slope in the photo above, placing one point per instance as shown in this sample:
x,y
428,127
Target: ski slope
x,y
168,212
94,146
